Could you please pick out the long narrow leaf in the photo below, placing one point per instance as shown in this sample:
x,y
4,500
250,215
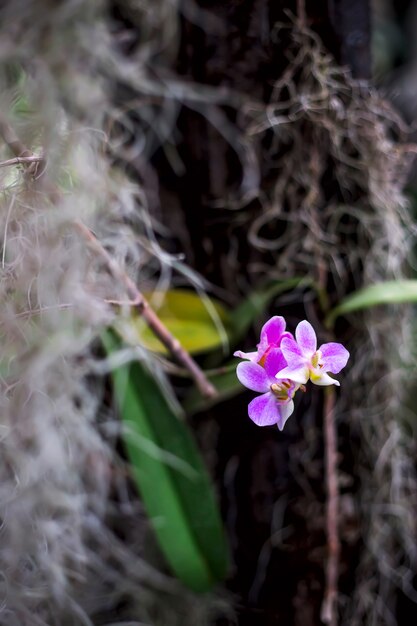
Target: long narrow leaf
x,y
171,477
389,292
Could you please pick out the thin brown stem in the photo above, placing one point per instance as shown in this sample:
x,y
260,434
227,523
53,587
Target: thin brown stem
x,y
12,140
22,160
301,13
22,154
139,302
329,606
25,156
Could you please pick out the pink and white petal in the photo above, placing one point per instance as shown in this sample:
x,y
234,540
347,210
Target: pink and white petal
x,y
334,357
274,362
292,351
306,338
264,410
285,411
253,376
298,374
263,345
273,330
323,380
250,356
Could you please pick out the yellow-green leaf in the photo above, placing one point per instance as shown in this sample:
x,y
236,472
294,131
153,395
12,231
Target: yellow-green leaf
x,y
198,324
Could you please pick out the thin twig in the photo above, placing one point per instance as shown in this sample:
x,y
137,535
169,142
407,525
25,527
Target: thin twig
x,y
22,160
22,154
138,301
9,210
301,13
16,146
329,606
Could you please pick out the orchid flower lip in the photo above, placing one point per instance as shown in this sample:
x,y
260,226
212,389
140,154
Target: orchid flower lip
x,y
282,391
275,404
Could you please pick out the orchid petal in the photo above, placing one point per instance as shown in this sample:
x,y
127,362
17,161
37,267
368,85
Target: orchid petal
x,y
334,357
273,330
285,411
262,346
274,362
292,351
306,338
251,356
264,410
298,374
253,376
323,379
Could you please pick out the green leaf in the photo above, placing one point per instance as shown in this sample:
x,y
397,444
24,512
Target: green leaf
x,y
245,314
199,324
390,292
226,383
171,477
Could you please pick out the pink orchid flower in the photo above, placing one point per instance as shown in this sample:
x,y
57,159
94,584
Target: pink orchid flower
x,y
272,334
305,362
275,405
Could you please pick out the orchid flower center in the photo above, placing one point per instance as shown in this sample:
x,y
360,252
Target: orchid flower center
x,y
263,359
265,354
316,360
282,390
316,366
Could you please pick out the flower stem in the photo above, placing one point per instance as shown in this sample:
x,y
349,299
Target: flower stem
x,y
329,606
